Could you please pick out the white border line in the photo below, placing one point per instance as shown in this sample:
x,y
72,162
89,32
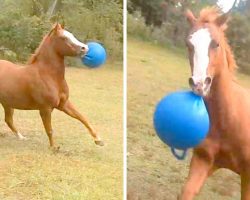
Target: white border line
x,y
124,99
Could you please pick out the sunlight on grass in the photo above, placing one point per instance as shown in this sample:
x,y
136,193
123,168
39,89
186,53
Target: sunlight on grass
x,y
80,170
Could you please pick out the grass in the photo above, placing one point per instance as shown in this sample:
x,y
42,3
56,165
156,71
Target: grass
x,y
153,172
29,170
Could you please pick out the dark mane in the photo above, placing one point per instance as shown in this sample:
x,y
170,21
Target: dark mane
x,y
34,56
209,14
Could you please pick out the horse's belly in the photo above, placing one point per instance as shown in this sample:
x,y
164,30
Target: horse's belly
x,y
18,102
24,101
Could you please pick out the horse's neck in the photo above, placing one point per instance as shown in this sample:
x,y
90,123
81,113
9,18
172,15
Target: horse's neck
x,y
220,97
47,59
222,85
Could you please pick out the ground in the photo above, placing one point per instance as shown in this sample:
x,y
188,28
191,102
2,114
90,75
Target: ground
x,y
29,170
153,172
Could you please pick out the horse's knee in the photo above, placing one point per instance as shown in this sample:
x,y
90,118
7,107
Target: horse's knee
x,y
50,134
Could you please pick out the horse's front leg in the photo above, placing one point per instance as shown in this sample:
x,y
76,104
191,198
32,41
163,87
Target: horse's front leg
x,y
245,186
46,118
200,168
69,109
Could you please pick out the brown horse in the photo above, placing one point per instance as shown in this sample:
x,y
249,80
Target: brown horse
x,y
41,84
228,142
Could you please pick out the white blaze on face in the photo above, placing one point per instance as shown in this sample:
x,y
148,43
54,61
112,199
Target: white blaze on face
x,y
200,40
72,38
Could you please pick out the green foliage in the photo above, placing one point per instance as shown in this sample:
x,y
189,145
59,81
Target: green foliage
x,y
99,20
239,38
24,23
137,27
173,26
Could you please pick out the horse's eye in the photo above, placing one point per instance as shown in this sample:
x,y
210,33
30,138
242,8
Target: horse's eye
x,y
214,44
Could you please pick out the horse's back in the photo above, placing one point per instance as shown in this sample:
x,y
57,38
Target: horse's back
x,y
7,67
6,63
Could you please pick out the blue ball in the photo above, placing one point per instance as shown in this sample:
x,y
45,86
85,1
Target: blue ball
x,y
181,120
96,55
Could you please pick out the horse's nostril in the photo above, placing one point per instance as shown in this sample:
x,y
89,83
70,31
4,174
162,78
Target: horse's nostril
x,y
191,82
208,80
83,48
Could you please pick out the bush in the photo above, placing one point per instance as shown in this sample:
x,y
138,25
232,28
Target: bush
x,y
24,23
239,39
137,27
99,20
162,35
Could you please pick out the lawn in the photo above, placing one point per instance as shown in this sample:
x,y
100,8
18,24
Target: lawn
x,y
153,172
29,170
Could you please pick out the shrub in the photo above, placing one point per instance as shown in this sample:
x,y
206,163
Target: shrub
x,y
23,24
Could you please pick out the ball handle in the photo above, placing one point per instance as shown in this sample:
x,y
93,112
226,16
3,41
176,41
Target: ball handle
x,y
179,156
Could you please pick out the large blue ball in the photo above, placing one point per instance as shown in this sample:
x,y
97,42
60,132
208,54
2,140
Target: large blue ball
x,y
96,55
181,120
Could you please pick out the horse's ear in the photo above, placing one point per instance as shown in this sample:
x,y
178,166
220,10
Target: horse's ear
x,y
222,20
58,26
63,25
190,17
55,29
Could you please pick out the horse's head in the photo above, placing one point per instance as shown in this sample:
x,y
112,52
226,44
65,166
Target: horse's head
x,y
206,46
65,43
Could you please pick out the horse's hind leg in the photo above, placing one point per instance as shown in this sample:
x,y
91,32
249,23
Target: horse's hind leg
x,y
69,109
9,121
201,167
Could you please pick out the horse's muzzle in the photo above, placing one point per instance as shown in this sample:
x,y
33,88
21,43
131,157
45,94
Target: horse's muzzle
x,y
200,88
83,50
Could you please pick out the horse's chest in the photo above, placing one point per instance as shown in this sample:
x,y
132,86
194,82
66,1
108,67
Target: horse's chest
x,y
233,153
227,158
51,92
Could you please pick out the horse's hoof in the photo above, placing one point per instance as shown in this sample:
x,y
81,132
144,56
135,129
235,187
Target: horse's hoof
x,y
24,138
21,137
55,148
99,142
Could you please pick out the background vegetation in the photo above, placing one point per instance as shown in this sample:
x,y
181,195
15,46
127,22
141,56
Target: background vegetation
x,y
23,24
163,22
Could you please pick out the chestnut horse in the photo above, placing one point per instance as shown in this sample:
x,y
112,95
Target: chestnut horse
x,y
228,142
41,84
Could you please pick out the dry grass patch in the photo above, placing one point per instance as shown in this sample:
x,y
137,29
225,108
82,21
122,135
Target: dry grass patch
x,y
80,170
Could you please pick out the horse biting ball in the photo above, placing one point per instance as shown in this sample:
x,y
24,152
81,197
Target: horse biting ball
x,y
96,55
181,121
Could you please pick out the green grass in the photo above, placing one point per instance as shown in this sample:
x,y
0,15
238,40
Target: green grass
x,y
29,170
153,172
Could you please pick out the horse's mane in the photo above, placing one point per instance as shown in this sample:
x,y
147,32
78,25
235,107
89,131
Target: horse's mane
x,y
34,56
209,15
